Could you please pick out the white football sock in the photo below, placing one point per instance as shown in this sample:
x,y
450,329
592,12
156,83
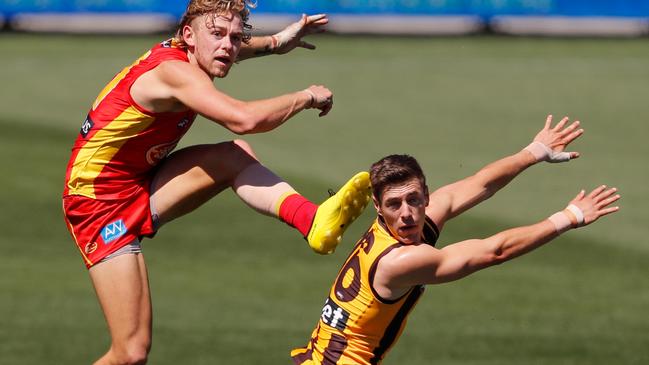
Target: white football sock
x,y
261,189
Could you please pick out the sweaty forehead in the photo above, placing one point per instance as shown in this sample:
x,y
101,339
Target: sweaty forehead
x,y
402,189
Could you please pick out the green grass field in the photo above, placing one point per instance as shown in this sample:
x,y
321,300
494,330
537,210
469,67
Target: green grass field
x,y
233,287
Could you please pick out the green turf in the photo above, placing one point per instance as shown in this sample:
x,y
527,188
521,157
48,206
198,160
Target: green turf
x,y
233,287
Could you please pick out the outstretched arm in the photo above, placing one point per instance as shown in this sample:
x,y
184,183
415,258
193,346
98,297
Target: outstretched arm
x,y
192,88
286,40
423,264
548,145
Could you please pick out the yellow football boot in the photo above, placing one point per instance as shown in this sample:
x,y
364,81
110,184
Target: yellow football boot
x,y
335,214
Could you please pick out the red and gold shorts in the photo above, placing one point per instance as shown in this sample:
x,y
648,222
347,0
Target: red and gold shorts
x,y
101,227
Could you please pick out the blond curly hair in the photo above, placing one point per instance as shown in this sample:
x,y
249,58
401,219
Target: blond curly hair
x,y
196,8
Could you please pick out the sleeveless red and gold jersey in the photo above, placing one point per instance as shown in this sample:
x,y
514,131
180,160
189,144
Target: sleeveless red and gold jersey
x,y
121,142
357,326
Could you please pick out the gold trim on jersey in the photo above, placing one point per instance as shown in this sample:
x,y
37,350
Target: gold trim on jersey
x,y
100,149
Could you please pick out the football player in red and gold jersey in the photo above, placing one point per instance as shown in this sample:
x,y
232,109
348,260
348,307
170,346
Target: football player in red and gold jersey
x,y
123,181
385,274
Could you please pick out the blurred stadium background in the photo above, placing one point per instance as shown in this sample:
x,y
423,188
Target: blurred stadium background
x,y
233,287
550,17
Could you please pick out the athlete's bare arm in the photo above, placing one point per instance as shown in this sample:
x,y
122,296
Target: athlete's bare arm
x,y
286,40
177,86
423,264
451,200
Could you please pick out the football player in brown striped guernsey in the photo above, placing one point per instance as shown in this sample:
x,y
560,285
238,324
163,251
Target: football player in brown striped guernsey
x,y
385,273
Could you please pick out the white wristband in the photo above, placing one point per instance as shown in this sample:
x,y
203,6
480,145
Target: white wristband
x,y
540,151
561,221
577,212
571,217
544,153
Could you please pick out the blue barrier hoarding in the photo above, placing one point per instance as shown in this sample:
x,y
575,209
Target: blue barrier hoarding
x,y
11,7
556,17
482,8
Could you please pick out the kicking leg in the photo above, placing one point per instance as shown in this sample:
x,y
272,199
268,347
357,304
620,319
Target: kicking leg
x,y
322,226
335,214
193,175
122,287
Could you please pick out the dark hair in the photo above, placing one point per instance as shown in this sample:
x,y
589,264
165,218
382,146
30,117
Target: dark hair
x,y
196,8
392,170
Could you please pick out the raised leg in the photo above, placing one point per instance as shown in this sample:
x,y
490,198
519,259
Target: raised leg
x,y
193,175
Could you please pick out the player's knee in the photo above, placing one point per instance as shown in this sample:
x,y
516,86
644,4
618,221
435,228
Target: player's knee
x,y
227,159
245,146
237,151
238,155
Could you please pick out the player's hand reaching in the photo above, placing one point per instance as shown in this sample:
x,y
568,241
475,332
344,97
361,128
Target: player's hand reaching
x,y
550,143
291,37
321,98
596,204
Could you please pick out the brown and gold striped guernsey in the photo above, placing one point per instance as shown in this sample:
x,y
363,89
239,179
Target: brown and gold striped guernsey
x,y
357,326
